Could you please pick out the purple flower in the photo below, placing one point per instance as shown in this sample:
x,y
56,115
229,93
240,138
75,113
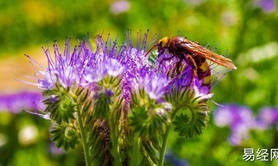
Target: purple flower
x,y
114,68
120,7
154,84
54,150
81,66
267,117
240,132
17,102
102,68
85,67
184,79
95,74
202,91
240,119
267,5
174,160
109,93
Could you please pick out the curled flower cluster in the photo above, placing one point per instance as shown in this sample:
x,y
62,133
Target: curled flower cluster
x,y
241,120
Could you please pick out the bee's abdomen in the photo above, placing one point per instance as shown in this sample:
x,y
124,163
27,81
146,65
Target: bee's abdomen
x,y
203,71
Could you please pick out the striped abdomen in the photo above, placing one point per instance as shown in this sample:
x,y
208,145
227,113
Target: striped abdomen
x,y
203,70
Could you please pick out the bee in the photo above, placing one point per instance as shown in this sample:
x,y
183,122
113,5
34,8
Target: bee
x,y
193,53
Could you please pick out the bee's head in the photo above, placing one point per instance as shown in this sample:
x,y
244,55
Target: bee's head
x,y
163,43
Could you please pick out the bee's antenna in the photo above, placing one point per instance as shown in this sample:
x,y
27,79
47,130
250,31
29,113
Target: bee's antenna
x,y
156,45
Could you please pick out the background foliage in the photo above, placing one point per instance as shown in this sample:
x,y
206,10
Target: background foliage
x,y
238,28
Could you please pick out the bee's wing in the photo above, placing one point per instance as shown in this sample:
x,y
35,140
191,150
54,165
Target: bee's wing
x,y
218,73
197,49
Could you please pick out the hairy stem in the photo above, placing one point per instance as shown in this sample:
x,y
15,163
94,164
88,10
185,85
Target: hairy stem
x,y
114,141
83,139
165,138
163,149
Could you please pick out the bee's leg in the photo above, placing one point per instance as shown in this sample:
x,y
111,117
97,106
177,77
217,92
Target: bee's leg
x,y
178,65
192,63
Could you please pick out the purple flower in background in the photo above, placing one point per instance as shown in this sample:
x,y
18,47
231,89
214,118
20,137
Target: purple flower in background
x,y
120,7
240,132
17,102
268,116
267,5
54,150
174,160
240,119
194,2
232,114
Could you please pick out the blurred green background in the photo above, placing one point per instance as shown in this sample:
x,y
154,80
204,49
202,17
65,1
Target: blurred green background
x,y
241,29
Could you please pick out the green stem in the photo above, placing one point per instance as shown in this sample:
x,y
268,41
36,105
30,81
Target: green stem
x,y
162,154
83,139
114,141
165,138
